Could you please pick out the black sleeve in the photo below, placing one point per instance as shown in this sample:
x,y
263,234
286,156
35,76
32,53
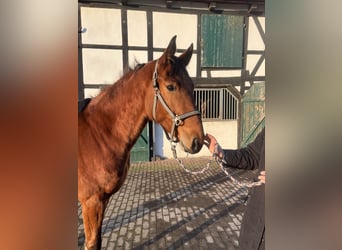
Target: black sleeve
x,y
248,157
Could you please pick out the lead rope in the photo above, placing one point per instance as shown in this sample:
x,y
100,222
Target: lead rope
x,y
231,177
219,162
180,162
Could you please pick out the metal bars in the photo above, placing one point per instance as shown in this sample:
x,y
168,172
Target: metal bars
x,y
216,104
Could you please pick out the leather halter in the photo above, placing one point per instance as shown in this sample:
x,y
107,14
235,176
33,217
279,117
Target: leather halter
x,y
176,119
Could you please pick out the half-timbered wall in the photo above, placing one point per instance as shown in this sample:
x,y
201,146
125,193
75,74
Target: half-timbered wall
x,y
114,37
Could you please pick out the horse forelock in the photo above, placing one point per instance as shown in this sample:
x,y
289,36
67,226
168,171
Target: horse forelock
x,y
178,69
173,66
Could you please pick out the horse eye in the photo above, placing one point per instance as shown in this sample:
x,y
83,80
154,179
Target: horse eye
x,y
170,87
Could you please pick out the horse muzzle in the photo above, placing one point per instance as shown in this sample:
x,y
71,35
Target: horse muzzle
x,y
195,146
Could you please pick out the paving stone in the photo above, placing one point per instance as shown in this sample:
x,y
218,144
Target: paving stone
x,y
209,239
160,206
111,245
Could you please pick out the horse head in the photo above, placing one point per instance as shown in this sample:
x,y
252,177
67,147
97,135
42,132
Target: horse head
x,y
174,104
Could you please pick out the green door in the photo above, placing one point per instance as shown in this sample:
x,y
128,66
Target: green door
x,y
222,39
252,113
140,150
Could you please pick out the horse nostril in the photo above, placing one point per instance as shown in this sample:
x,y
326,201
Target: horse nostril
x,y
195,145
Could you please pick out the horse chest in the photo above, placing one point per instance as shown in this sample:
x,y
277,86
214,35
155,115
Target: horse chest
x,y
113,175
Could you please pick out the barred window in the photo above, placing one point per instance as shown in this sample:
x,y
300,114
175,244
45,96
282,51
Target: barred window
x,y
216,104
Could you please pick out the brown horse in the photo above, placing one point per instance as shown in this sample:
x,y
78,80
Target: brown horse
x,y
108,127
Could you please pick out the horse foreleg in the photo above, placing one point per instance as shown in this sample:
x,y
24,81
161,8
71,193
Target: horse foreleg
x,y
92,211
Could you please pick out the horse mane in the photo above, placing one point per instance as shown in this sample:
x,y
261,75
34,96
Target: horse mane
x,y
127,73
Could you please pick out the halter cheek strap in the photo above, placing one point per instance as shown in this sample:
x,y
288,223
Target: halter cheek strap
x,y
177,119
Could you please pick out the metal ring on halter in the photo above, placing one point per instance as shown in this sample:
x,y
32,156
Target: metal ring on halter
x,y
178,121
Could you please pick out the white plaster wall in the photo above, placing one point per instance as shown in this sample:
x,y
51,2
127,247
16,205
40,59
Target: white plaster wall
x,y
137,28
166,25
252,60
103,26
89,93
103,66
255,42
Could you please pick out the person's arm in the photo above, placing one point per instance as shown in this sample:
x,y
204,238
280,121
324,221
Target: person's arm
x,y
244,158
240,158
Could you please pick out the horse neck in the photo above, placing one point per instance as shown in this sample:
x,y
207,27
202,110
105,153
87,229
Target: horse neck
x,y
119,111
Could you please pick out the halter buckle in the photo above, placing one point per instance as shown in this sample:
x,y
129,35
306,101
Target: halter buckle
x,y
178,121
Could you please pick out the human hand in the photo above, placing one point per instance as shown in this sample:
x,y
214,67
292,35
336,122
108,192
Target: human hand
x,y
210,141
262,176
213,146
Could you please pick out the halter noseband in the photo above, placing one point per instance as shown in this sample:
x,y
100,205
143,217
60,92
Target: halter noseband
x,y
177,119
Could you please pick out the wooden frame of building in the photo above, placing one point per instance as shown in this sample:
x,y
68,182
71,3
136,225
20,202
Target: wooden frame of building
x,y
238,80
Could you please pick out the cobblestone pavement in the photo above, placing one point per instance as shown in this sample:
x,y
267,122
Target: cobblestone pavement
x,y
160,206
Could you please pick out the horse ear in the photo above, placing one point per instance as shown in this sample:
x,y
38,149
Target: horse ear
x,y
186,56
169,51
171,48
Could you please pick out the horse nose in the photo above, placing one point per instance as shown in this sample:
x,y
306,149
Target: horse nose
x,y
196,146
